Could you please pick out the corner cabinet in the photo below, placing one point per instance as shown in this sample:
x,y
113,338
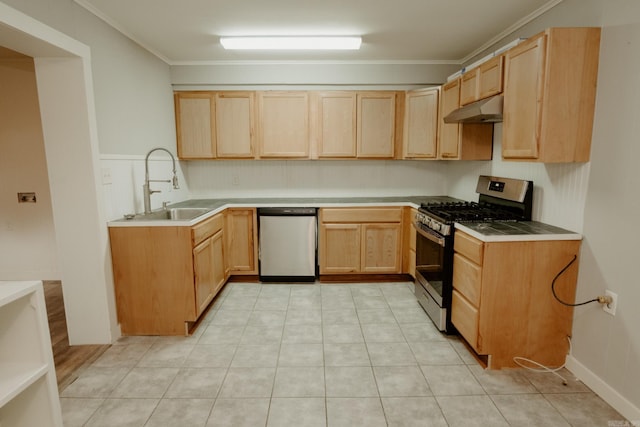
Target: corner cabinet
x,y
461,141
502,301
360,240
195,125
549,96
421,124
165,276
28,388
215,125
283,124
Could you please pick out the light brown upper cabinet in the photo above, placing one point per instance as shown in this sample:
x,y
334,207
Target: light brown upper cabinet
x,y
549,96
421,124
235,124
336,124
195,125
283,124
376,119
482,81
215,125
458,141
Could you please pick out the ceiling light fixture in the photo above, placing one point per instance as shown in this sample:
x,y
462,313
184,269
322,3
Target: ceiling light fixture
x,y
292,43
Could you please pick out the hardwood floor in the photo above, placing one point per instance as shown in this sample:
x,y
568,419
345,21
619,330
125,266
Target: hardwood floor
x,y
69,360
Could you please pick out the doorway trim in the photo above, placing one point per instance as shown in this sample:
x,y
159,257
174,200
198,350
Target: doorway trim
x,y
67,109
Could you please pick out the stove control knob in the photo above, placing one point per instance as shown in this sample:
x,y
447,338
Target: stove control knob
x,y
436,226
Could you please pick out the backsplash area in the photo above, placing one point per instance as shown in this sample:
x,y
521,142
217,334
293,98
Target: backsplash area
x,y
559,192
560,189
314,178
123,177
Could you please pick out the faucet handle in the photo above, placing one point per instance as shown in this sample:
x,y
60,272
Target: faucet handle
x,y
164,204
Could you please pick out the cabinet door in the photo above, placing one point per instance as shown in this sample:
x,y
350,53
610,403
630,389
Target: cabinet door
x,y
217,249
524,66
376,124
490,77
205,276
240,237
449,132
469,87
381,248
465,318
234,124
336,130
421,124
195,125
339,248
283,124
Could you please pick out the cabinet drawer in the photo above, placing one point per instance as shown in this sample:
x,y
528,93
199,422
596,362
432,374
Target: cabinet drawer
x,y
206,228
361,215
469,247
467,278
464,316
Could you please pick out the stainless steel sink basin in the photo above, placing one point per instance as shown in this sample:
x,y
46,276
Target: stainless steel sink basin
x,y
173,214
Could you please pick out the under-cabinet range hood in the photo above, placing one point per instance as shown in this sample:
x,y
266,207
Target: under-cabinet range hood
x,y
484,111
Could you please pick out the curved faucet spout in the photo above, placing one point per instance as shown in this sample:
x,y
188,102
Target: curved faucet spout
x,y
145,188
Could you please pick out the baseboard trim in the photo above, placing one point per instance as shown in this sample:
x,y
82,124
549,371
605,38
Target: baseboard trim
x,y
604,390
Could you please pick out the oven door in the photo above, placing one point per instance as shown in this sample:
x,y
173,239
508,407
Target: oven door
x,y
430,260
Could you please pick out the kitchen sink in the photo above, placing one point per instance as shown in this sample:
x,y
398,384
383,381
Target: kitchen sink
x,y
173,214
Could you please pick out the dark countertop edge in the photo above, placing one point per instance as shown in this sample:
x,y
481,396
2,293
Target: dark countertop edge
x,y
218,205
562,234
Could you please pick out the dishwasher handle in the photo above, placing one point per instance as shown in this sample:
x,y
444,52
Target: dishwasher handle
x,y
287,211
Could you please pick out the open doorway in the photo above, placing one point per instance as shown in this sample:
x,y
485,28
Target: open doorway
x,y
65,95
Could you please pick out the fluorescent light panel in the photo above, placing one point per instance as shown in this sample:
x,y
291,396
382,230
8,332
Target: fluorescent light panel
x,y
292,43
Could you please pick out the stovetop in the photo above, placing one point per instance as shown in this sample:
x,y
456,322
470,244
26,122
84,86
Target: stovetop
x,y
450,212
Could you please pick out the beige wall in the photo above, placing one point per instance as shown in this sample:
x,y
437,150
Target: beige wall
x,y
27,234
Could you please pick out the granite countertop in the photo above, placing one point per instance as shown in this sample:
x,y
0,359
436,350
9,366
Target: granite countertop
x,y
218,205
516,231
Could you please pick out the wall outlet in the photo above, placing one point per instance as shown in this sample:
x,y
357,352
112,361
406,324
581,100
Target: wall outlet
x,y
613,305
235,180
26,197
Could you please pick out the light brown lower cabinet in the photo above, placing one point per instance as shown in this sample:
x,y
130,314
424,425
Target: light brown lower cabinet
x,y
360,240
241,249
209,270
409,239
502,301
166,276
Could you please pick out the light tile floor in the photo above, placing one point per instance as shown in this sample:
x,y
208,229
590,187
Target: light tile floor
x,y
296,355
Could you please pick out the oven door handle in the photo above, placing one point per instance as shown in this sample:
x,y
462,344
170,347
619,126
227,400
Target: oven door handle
x,y
433,238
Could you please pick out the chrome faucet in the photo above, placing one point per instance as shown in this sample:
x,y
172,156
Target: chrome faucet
x,y
147,192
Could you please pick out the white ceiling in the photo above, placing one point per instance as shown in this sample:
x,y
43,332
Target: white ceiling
x,y
185,31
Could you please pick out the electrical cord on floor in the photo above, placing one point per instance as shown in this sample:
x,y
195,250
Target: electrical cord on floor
x,y
542,368
553,287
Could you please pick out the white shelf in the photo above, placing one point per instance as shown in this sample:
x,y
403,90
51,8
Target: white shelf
x,y
15,378
28,387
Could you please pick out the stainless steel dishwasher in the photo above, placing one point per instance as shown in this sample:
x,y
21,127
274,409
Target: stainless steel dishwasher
x,y
288,244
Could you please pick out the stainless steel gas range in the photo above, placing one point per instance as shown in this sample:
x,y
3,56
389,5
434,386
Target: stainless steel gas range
x,y
500,199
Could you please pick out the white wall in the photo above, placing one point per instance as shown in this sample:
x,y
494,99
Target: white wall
x,y
27,236
600,199
609,347
132,112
